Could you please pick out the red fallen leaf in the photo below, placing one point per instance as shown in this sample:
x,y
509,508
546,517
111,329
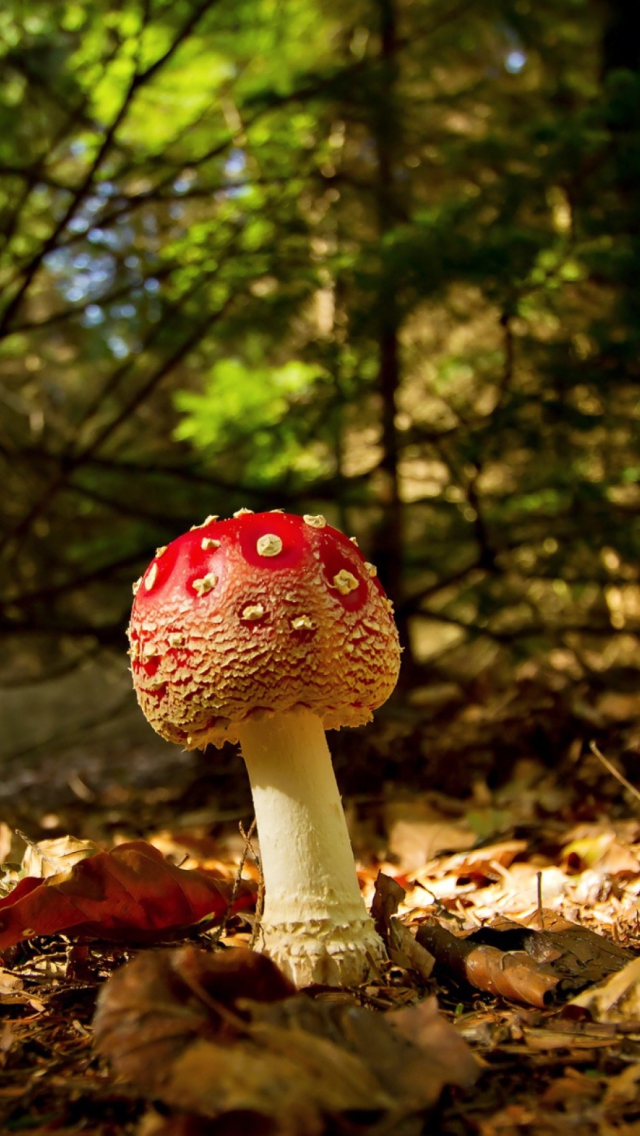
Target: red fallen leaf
x,y
129,893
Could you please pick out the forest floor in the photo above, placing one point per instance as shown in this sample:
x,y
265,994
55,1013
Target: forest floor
x,y
513,903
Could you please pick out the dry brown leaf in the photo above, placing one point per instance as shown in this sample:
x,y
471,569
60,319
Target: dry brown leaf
x,y
425,1027
210,1034
577,955
405,951
11,986
573,1083
51,857
292,1077
603,849
479,863
545,1039
511,974
387,898
616,1000
521,963
418,832
622,1089
402,946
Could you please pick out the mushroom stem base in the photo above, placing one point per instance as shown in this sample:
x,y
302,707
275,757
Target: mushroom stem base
x,y
315,924
321,951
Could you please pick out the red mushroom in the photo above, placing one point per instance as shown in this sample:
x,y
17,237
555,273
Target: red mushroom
x,y
268,629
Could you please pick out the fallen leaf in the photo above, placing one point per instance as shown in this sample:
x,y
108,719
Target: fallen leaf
x,y
387,898
11,988
577,955
509,1121
186,1028
402,947
512,974
129,893
407,952
426,1028
545,1039
596,847
418,832
573,1083
616,1000
50,857
622,1088
9,983
478,864
517,962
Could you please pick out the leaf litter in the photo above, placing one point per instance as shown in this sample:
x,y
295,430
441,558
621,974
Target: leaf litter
x,y
225,1032
510,1003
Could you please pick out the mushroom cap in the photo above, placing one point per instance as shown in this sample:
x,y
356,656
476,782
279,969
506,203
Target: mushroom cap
x,y
257,615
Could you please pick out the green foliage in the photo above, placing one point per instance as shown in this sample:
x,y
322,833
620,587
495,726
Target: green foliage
x,y
245,410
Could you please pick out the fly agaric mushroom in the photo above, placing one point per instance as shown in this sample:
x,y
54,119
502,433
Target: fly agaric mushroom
x,y
268,629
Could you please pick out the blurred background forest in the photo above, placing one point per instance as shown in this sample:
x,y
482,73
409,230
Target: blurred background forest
x,y
379,260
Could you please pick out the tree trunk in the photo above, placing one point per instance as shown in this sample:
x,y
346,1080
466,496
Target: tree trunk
x,y
389,539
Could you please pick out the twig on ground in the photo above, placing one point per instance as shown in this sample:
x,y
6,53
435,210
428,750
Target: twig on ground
x,y
540,907
246,836
215,938
614,772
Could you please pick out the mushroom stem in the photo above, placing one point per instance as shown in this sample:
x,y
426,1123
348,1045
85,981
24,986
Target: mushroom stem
x,y
315,924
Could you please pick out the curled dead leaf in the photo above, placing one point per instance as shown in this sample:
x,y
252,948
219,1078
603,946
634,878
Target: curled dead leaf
x,y
402,947
521,963
387,898
511,974
50,857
